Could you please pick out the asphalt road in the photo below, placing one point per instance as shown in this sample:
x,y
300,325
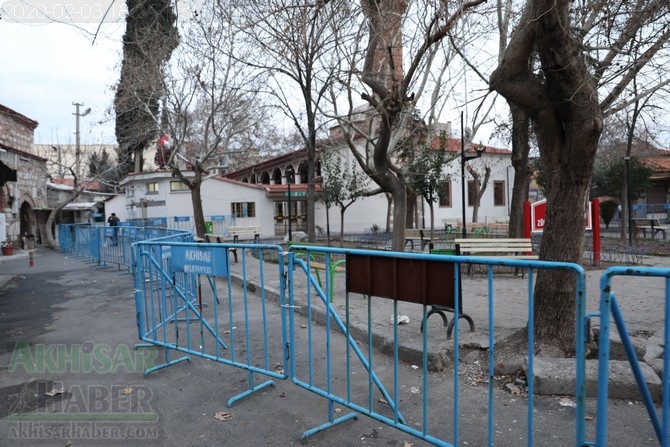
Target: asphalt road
x,y
59,314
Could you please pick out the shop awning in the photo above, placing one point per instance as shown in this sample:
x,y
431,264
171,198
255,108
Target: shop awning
x,y
80,206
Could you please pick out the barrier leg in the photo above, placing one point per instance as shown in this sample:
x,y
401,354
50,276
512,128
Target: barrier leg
x,y
252,389
327,425
167,363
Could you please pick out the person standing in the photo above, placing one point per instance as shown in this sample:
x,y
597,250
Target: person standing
x,y
113,221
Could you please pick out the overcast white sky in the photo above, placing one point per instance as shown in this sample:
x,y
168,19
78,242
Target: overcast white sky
x,y
45,67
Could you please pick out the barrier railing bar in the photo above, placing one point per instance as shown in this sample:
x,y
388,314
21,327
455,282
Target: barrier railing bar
x,y
581,325
610,310
178,308
396,375
424,364
666,362
530,374
635,366
491,374
458,290
330,312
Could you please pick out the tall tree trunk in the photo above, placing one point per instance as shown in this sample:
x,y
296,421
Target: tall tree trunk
x,y
412,213
196,201
195,186
567,120
520,150
389,212
382,73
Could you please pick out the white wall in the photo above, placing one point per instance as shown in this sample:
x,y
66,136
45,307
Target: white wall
x,y
487,212
362,215
217,197
369,211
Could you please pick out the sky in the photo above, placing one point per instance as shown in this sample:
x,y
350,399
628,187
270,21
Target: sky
x,y
46,67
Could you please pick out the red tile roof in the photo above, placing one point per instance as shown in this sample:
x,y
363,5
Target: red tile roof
x,y
87,185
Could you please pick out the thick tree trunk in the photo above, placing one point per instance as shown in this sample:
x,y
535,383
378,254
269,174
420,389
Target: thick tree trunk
x,y
412,212
563,106
562,240
389,212
196,201
399,204
51,239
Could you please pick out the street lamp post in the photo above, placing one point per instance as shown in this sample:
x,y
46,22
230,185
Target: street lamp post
x,y
630,204
479,149
289,175
78,114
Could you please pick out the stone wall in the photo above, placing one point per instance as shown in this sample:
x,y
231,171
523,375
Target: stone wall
x,y
16,130
19,199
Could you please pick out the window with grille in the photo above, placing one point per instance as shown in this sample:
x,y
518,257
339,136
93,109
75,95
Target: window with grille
x,y
499,193
472,193
243,209
177,185
444,194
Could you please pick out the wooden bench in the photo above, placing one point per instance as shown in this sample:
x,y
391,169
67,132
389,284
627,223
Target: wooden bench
x,y
318,260
415,235
515,248
220,239
235,234
518,248
244,233
652,225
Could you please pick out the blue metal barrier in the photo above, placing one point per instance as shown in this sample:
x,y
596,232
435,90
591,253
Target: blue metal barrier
x,y
185,302
609,310
111,245
189,301
357,391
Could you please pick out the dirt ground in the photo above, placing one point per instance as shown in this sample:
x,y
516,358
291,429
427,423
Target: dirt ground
x,y
651,247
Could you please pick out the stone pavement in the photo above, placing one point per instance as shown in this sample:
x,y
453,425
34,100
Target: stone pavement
x,y
640,298
69,303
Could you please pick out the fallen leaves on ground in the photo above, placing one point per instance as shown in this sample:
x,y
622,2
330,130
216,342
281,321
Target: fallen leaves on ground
x,y
223,416
55,391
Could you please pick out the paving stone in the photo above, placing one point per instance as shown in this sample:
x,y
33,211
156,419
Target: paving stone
x,y
557,376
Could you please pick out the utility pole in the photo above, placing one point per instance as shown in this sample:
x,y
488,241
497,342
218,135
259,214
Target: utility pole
x,y
77,162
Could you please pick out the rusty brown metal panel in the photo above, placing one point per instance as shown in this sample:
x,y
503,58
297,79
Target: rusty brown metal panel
x,y
422,281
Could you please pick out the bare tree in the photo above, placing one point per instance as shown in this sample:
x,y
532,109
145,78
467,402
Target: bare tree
x,y
295,45
378,133
479,186
212,105
558,56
